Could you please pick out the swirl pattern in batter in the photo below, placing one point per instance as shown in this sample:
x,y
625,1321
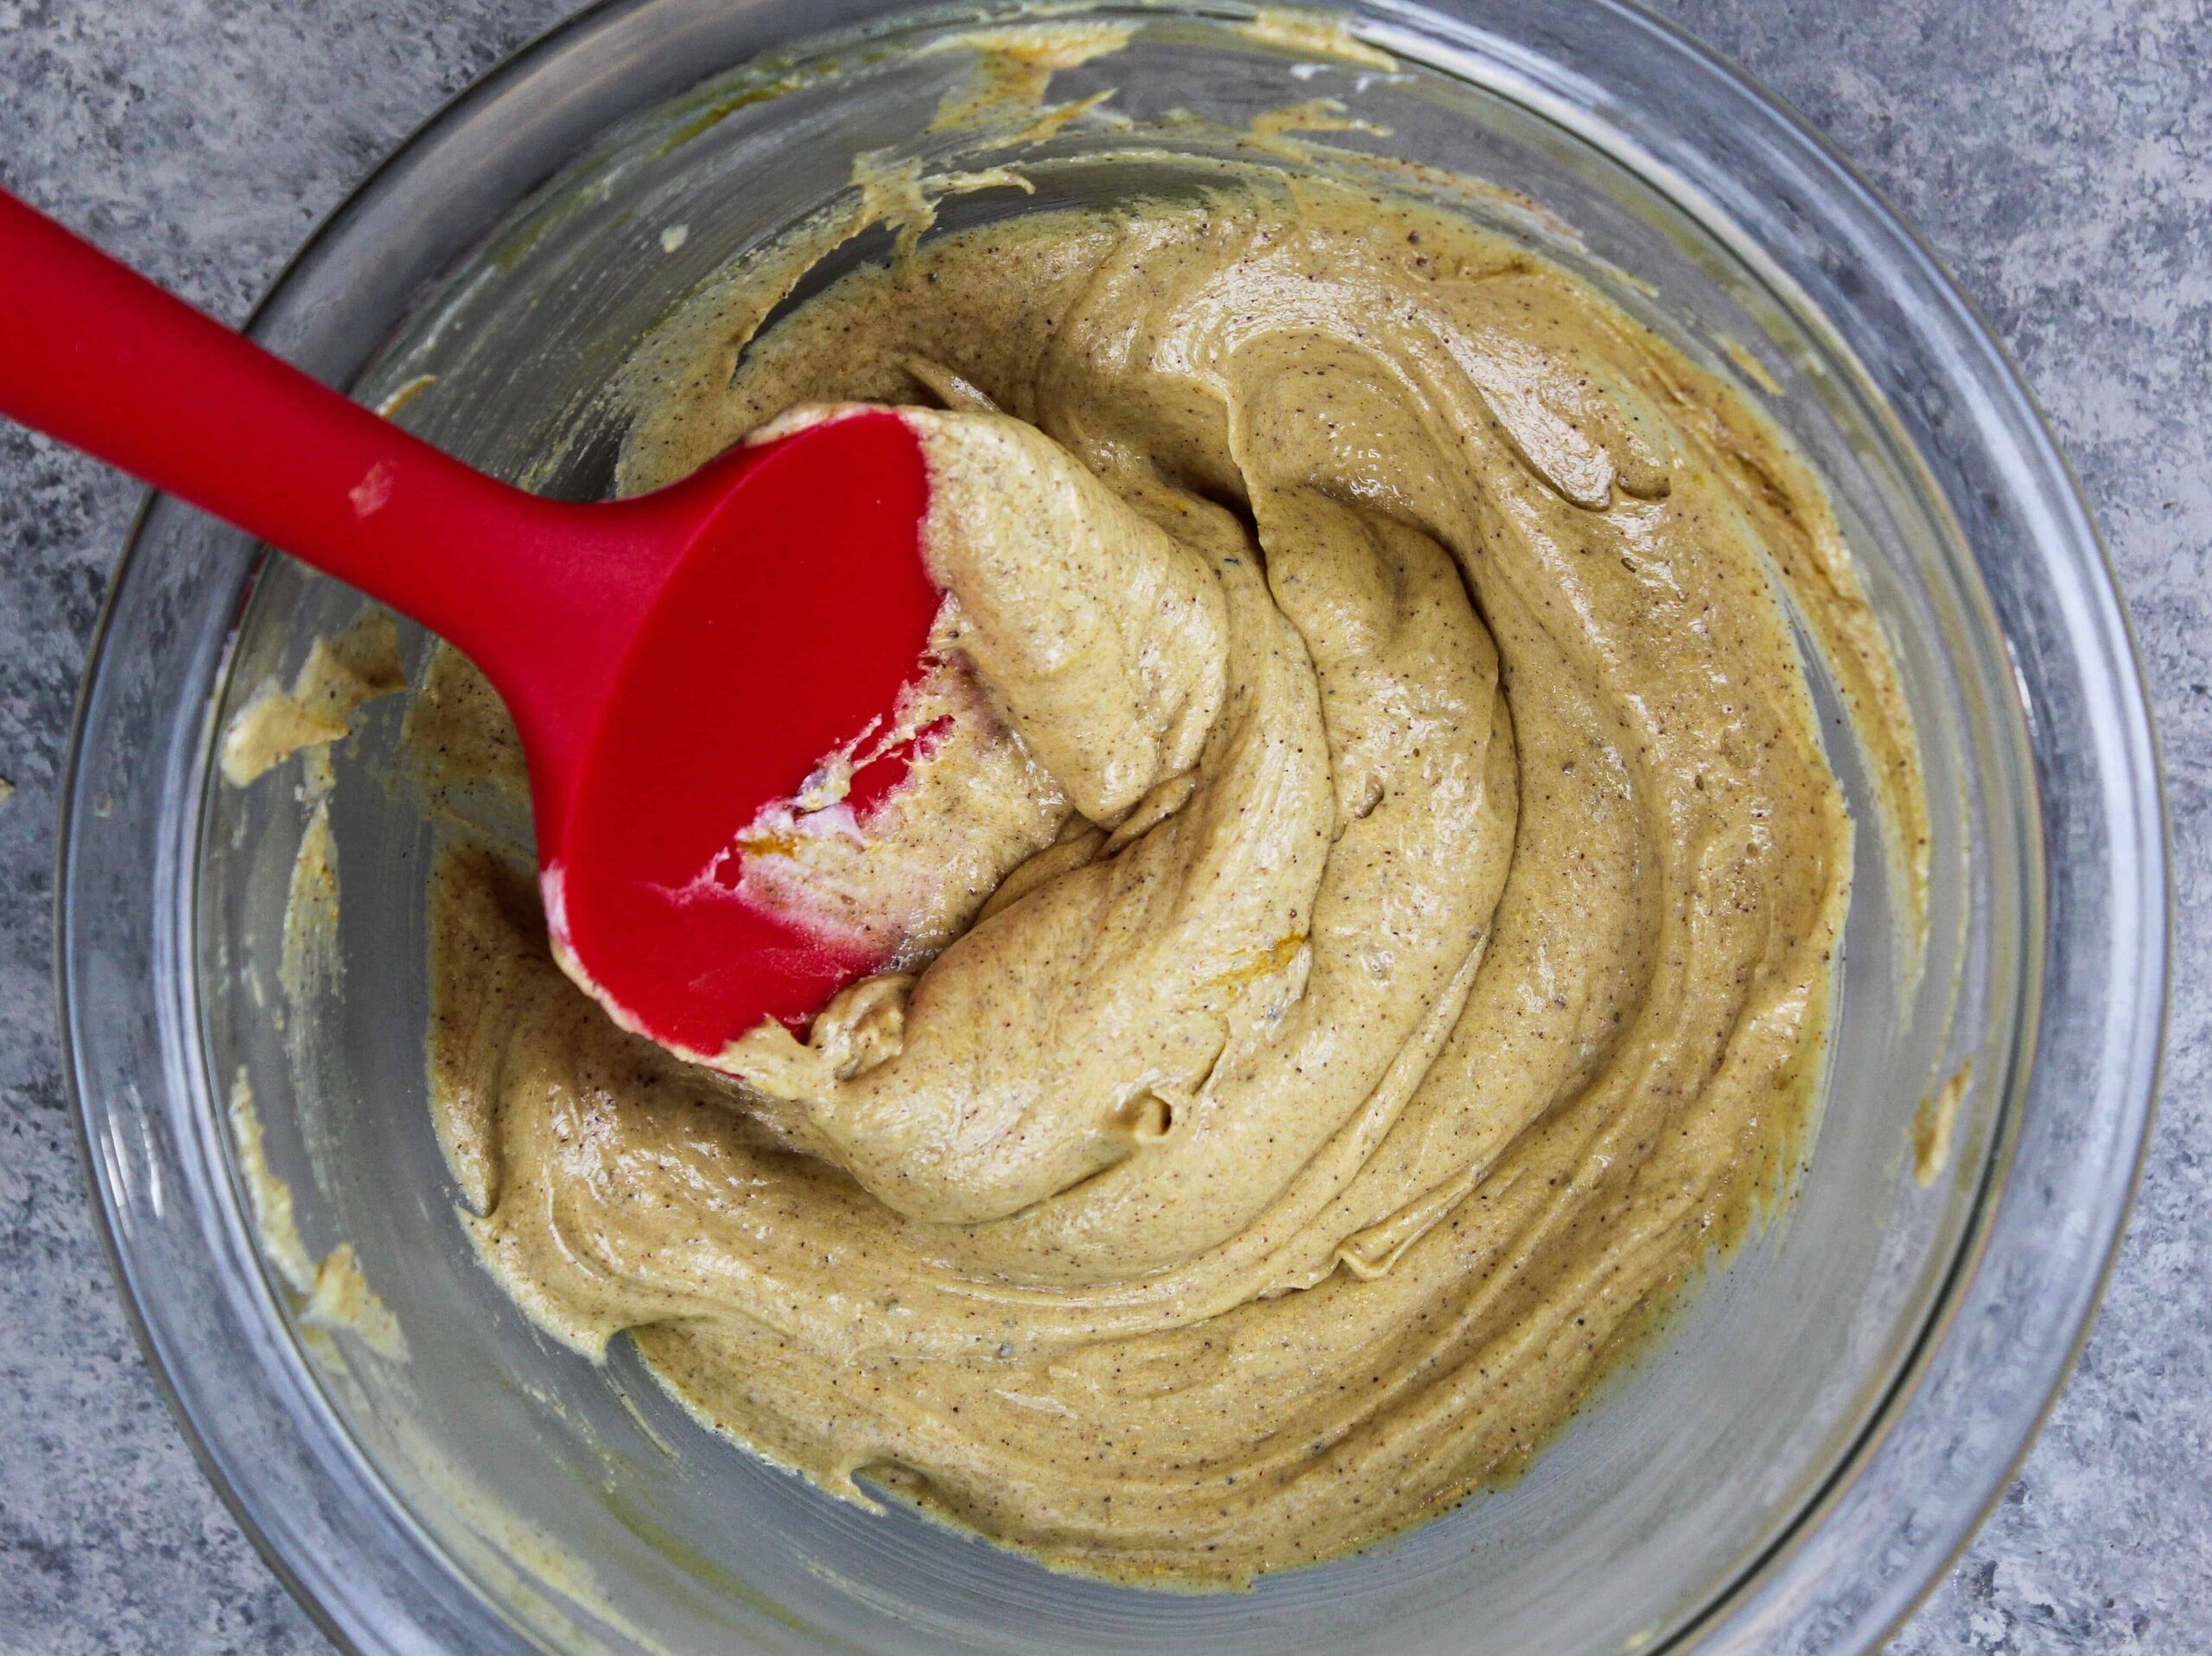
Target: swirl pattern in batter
x,y
1391,942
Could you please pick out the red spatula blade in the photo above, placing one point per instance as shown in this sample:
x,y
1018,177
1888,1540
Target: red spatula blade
x,y
784,634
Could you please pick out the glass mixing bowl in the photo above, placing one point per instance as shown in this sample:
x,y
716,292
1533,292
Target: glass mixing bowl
x,y
1798,1455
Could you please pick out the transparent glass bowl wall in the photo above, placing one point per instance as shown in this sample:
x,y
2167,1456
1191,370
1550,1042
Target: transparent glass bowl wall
x,y
1787,1468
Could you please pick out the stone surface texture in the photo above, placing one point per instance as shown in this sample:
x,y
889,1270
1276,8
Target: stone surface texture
x,y
2058,155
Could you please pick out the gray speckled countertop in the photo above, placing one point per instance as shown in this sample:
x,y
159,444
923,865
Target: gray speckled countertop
x,y
2057,153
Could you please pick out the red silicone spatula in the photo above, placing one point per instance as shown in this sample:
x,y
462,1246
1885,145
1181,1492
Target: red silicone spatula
x,y
674,661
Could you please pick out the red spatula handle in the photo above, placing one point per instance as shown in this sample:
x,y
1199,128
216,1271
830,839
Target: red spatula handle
x,y
103,359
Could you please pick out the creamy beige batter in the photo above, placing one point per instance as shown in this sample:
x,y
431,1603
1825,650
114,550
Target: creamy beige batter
x,y
1426,969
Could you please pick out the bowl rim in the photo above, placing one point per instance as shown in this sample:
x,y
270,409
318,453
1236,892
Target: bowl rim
x,y
1742,1614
